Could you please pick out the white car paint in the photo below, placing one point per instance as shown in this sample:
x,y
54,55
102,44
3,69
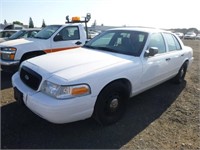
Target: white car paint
x,y
28,45
97,69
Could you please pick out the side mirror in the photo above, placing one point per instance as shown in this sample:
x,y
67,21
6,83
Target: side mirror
x,y
86,41
58,38
151,51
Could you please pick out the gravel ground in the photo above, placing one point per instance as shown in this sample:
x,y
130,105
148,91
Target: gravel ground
x,y
165,117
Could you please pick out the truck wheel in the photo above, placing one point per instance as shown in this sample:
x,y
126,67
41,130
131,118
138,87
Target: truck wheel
x,y
31,55
179,78
111,103
25,57
10,69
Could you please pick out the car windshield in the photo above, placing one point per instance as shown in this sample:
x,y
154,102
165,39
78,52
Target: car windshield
x,y
47,32
4,34
119,41
17,34
24,34
190,33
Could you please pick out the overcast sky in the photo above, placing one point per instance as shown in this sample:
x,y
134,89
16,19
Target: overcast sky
x,y
150,13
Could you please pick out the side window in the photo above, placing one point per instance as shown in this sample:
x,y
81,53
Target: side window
x,y
172,42
178,46
32,34
156,40
25,35
69,33
73,33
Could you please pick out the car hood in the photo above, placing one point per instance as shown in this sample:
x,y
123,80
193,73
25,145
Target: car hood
x,y
2,40
75,63
22,42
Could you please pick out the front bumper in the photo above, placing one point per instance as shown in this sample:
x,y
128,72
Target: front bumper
x,y
189,37
53,110
190,61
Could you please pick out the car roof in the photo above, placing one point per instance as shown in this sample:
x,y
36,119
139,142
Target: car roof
x,y
142,29
8,30
30,29
67,24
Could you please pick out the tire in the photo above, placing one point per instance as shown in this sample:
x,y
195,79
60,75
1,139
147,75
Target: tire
x,y
27,57
179,78
31,55
111,103
10,69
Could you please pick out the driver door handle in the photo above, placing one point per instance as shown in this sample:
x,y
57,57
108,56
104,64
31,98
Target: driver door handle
x,y
78,43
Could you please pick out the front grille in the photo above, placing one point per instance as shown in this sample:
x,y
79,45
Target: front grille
x,y
31,78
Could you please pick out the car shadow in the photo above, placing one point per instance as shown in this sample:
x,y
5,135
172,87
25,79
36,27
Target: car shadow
x,y
22,129
6,79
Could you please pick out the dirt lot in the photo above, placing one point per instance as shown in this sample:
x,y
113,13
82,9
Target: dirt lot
x,y
165,117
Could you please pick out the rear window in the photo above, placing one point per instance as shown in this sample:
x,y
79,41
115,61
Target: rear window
x,y
172,42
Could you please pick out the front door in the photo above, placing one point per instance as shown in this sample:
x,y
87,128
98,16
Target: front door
x,y
155,68
67,38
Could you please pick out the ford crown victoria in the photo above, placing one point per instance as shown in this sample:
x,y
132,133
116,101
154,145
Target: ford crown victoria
x,y
97,79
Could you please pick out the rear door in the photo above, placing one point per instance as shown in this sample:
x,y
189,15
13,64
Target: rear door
x,y
176,54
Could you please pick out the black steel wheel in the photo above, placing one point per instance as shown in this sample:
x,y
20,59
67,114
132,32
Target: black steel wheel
x,y
111,103
179,78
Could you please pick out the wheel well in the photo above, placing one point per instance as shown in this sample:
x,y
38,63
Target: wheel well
x,y
186,62
31,54
124,82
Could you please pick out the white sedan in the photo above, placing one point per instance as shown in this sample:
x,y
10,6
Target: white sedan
x,y
98,79
198,37
190,35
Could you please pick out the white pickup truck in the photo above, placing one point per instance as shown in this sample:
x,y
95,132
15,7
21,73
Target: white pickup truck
x,y
97,79
52,38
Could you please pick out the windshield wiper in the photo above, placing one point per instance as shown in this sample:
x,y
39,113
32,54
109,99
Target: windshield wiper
x,y
88,46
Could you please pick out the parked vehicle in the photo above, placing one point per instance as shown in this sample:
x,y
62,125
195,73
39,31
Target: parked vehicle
x,y
92,34
24,33
7,33
98,79
190,35
198,37
179,34
52,38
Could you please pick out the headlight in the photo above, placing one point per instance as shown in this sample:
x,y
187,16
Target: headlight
x,y
63,91
8,53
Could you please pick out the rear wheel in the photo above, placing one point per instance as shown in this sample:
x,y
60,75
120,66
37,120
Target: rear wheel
x,y
111,103
179,78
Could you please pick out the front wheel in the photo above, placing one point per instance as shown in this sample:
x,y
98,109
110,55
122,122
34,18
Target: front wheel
x,y
111,103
